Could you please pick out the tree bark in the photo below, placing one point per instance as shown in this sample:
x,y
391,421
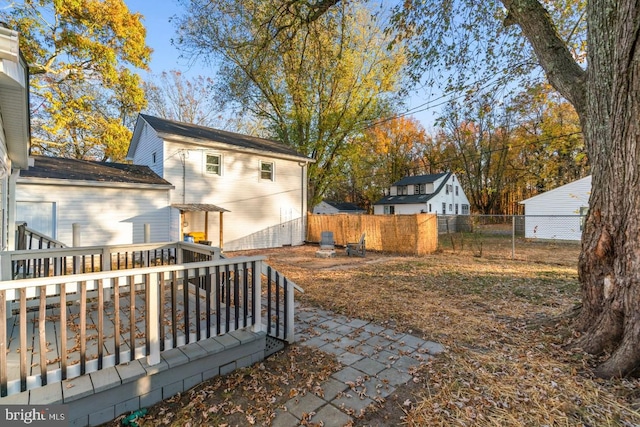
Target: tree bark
x,y
607,99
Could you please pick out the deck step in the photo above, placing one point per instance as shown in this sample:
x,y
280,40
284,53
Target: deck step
x,y
272,346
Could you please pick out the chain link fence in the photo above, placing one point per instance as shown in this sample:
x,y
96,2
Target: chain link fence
x,y
537,238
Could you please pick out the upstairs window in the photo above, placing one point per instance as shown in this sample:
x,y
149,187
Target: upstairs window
x,y
456,190
266,170
213,164
402,190
465,209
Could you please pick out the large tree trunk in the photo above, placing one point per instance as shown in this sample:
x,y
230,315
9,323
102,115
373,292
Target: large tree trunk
x,y
609,266
607,98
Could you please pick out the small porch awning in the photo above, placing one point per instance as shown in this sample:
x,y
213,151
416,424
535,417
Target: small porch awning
x,y
202,207
198,207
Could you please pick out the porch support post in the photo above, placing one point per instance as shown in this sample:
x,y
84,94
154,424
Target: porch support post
x,y
257,296
221,228
153,319
206,225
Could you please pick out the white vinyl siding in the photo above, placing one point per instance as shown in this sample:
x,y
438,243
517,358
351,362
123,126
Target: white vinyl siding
x,y
149,151
260,216
566,200
107,216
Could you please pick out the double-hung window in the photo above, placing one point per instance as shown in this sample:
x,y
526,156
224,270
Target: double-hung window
x,y
213,164
267,171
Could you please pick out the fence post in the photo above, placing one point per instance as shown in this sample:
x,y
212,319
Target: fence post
x,y
513,237
153,317
257,297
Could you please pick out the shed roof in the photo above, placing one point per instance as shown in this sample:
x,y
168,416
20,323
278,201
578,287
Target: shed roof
x,y
198,207
84,170
207,134
344,206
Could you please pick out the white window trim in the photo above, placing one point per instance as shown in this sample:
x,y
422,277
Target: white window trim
x,y
273,171
220,156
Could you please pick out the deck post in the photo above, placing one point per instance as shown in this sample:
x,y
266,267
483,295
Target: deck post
x,y
5,274
153,316
257,296
106,266
290,312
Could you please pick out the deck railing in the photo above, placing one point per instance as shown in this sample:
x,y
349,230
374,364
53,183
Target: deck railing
x,y
86,322
57,261
27,238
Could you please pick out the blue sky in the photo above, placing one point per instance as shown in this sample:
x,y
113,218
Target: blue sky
x,y
165,57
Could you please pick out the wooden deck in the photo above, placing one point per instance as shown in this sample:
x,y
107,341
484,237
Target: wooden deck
x,y
130,317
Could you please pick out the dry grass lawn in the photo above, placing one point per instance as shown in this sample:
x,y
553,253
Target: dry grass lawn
x,y
504,324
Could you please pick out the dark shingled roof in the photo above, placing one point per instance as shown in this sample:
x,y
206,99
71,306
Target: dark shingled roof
x,y
344,206
415,198
83,170
209,134
405,200
421,179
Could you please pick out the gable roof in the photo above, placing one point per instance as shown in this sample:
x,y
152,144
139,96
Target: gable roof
x,y
415,198
168,128
421,179
84,170
582,183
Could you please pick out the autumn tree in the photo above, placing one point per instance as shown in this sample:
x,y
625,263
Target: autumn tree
x,y
84,93
384,153
316,85
477,137
601,90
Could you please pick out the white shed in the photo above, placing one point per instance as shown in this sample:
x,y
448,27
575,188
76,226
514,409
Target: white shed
x,y
111,202
558,214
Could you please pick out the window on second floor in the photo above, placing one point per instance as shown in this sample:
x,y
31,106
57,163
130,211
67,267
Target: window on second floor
x,y
213,164
266,171
465,209
402,190
456,190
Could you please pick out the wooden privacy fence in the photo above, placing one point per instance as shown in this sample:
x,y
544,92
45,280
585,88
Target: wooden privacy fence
x,y
403,234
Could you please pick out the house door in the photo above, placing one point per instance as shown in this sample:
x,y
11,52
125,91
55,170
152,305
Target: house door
x,y
39,216
286,227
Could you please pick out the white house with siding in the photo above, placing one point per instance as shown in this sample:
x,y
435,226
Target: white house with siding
x,y
439,193
111,202
558,214
237,191
14,128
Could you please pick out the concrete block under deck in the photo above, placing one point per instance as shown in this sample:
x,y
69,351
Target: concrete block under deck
x,y
100,396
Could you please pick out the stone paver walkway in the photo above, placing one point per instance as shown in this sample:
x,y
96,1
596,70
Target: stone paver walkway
x,y
376,361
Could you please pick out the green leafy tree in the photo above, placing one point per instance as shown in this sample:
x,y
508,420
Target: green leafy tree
x,y
83,92
315,86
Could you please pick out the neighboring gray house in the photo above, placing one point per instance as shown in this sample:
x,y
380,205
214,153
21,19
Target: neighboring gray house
x,y
256,188
558,214
327,207
439,193
111,202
